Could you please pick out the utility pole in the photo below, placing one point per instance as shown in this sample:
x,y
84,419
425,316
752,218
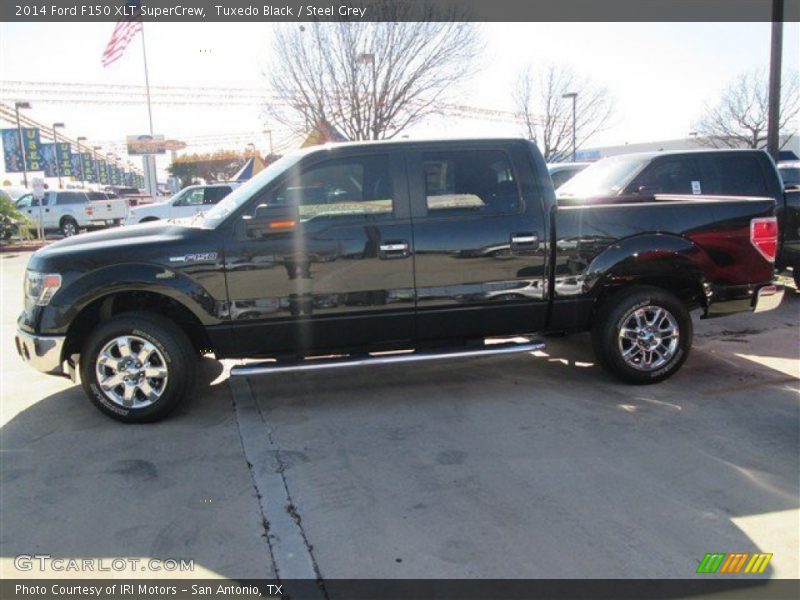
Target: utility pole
x,y
775,59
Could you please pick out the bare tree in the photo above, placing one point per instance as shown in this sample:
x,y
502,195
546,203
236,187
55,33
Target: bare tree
x,y
739,119
369,80
547,115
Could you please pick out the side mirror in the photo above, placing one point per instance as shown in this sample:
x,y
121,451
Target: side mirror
x,y
268,219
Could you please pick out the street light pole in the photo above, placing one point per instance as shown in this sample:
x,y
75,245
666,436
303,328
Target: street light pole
x,y
80,159
775,60
55,148
17,106
574,96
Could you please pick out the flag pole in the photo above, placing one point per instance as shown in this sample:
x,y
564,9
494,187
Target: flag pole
x,y
148,161
147,82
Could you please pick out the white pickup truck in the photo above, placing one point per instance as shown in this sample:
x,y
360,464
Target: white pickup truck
x,y
70,211
186,203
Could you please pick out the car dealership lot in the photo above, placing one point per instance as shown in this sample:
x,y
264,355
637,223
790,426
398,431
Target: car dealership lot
x,y
526,466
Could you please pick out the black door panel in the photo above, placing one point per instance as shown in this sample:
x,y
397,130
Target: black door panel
x,y
336,278
479,266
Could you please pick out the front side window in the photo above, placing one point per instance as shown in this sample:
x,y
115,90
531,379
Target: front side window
x,y
339,187
25,201
193,197
464,182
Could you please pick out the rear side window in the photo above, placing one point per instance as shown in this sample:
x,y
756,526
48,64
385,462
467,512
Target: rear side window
x,y
670,176
70,198
97,196
215,194
739,175
467,182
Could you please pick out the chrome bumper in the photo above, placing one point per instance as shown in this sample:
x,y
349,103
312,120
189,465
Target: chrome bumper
x,y
767,298
43,353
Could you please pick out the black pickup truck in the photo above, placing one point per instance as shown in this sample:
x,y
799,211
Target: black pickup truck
x,y
372,253
749,173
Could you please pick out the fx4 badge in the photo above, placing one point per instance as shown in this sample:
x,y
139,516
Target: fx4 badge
x,y
198,257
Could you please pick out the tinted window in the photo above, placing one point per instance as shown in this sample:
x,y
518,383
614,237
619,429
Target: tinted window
x,y
25,201
561,177
70,198
215,194
470,182
192,197
739,175
790,175
97,196
670,176
347,186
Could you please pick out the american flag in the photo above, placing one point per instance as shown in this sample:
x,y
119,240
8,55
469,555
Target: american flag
x,y
124,32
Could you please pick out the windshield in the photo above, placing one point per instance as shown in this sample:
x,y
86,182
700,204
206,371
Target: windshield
x,y
604,178
242,194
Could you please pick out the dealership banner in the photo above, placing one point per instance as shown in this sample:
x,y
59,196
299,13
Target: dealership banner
x,y
48,155
88,167
64,157
12,153
75,161
102,172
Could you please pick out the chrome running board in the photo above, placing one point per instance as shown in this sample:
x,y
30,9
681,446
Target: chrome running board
x,y
318,364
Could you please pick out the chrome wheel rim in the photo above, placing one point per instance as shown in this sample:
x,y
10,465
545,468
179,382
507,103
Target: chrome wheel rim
x,y
648,338
131,372
69,229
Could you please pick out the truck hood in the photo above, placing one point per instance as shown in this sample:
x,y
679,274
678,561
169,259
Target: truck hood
x,y
149,242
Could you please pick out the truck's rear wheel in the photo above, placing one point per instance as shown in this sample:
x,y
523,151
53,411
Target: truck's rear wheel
x,y
137,367
642,335
68,226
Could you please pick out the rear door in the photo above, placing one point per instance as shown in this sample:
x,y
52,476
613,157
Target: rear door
x,y
479,241
336,272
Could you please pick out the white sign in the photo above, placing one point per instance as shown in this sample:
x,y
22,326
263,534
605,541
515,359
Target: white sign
x,y
38,187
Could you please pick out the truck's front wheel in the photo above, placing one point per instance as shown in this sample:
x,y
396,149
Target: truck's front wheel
x,y
137,367
642,335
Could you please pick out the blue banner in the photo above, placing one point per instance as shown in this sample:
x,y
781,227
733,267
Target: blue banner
x,y
12,153
48,164
88,169
102,172
77,171
64,156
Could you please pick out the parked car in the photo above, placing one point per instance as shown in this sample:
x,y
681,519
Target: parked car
x,y
560,173
186,203
69,211
369,250
790,173
696,173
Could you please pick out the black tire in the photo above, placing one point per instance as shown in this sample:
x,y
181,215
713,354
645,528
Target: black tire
x,y
68,227
620,310
172,344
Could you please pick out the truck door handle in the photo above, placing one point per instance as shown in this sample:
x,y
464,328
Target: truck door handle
x,y
524,241
394,249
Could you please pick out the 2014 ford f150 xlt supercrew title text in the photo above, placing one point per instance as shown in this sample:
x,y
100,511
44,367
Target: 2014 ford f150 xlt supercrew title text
x,y
389,252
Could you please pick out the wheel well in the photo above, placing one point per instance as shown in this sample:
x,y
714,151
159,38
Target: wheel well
x,y
148,219
66,218
686,288
111,305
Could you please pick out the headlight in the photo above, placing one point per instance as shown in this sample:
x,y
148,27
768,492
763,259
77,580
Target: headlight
x,y
40,287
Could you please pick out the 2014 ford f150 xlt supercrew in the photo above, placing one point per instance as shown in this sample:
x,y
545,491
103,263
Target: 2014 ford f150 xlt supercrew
x,y
372,253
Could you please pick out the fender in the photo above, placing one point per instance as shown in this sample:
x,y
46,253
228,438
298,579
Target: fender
x,y
72,299
649,257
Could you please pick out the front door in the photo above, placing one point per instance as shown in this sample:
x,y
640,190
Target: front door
x,y
336,272
479,243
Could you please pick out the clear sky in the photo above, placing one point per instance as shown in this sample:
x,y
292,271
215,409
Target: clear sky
x,y
660,74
